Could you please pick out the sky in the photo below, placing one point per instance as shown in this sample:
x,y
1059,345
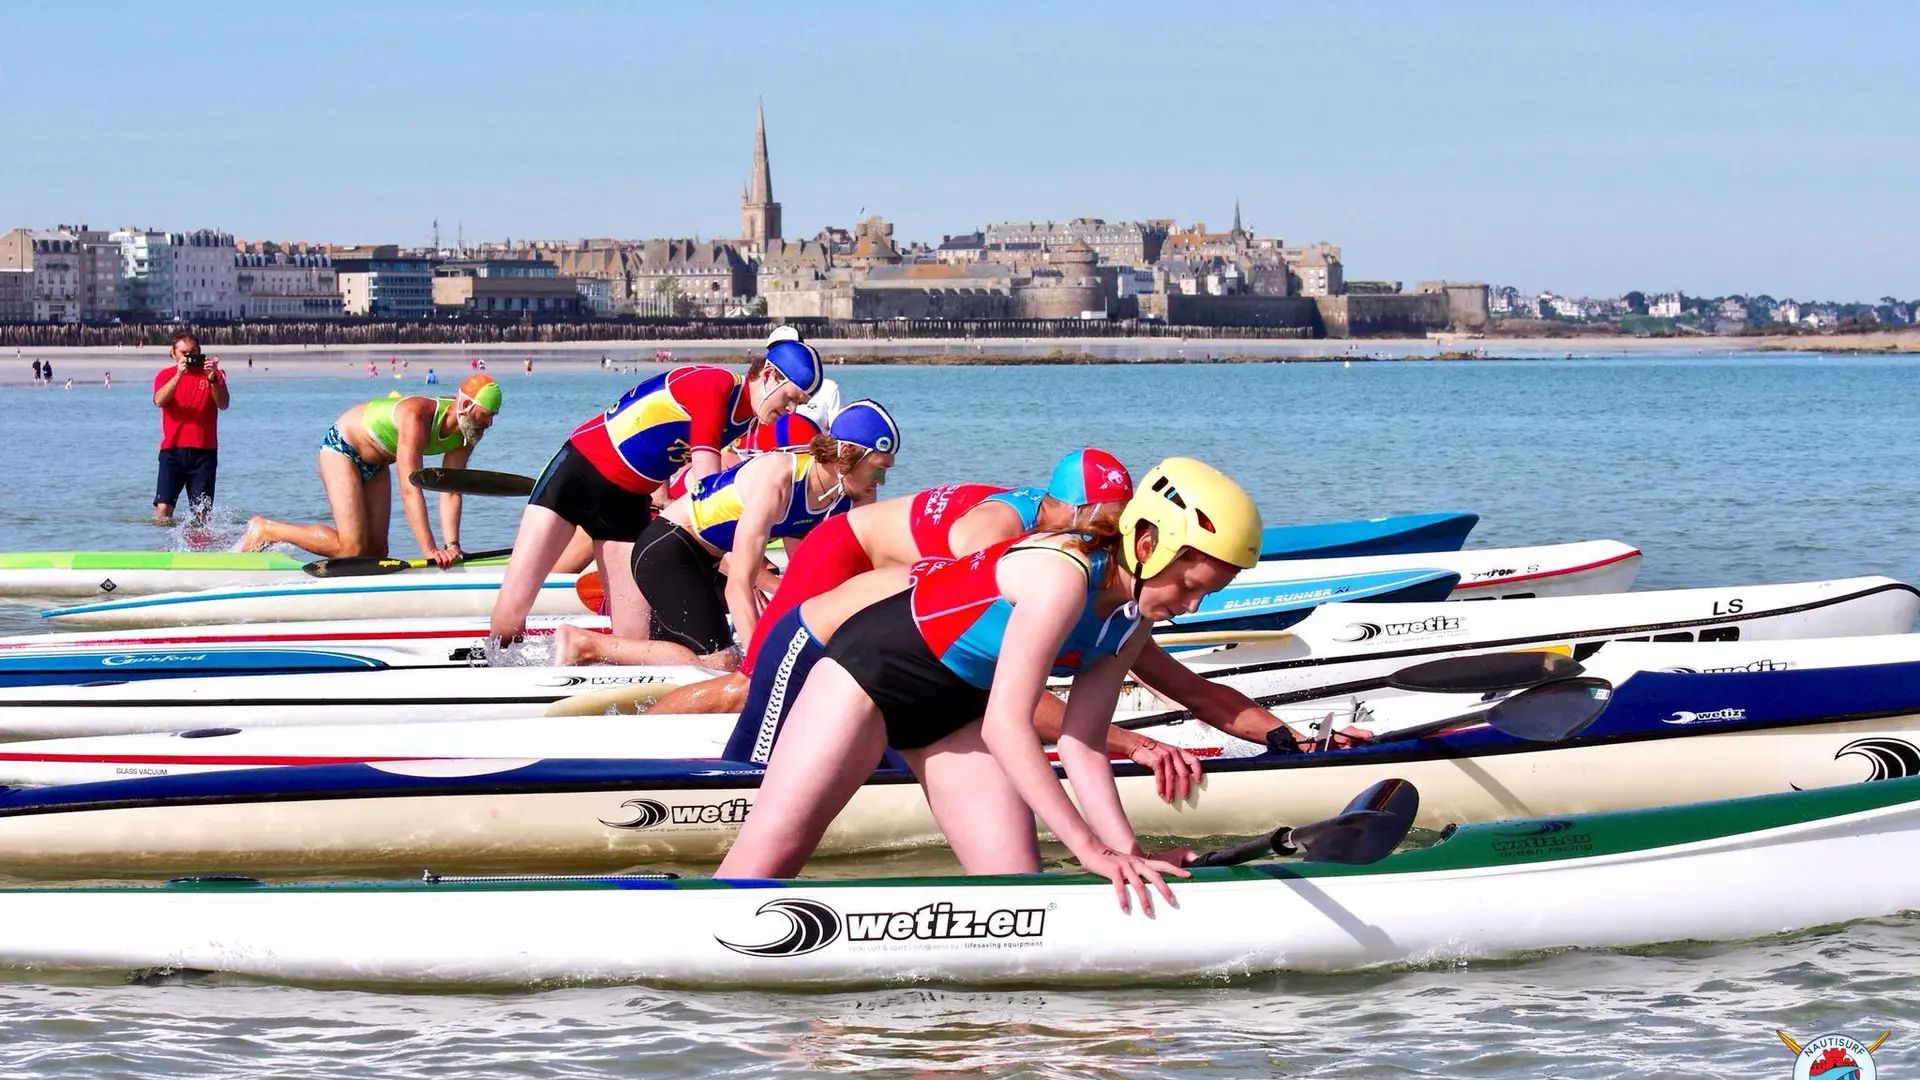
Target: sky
x,y
1585,148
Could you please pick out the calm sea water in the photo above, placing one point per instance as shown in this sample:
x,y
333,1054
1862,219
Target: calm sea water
x,y
1724,470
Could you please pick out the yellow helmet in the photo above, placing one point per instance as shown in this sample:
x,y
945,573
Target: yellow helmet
x,y
1192,505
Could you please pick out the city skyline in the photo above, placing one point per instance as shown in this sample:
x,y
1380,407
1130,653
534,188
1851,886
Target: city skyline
x,y
1716,150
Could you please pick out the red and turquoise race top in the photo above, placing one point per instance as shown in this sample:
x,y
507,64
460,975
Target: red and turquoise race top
x,y
962,615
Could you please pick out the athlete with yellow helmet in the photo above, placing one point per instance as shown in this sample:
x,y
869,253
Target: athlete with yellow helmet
x,y
949,672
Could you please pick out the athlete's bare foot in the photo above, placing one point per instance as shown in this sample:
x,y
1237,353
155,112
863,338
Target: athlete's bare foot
x,y
573,646
255,538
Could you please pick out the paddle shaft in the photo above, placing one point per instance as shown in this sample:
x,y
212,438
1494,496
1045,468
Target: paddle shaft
x,y
373,566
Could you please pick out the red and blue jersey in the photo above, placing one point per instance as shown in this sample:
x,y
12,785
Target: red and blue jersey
x,y
962,615
655,427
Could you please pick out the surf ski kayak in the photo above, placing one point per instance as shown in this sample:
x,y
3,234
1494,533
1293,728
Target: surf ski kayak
x,y
1400,535
1714,871
180,652
190,738
1334,644
106,574
473,594
1663,737
390,596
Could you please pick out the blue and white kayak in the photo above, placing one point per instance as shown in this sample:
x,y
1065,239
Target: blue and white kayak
x,y
500,726
394,596
1335,644
1405,534
1744,733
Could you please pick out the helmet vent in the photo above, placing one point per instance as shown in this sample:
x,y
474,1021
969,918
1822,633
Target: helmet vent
x,y
1204,521
1166,490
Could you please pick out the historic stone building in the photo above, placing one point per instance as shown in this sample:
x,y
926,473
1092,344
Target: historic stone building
x,y
1120,243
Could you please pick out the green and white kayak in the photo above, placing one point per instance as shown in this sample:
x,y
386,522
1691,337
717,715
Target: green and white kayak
x,y
102,574
1705,872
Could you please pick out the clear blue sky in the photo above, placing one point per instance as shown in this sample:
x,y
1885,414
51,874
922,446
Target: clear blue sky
x,y
1587,148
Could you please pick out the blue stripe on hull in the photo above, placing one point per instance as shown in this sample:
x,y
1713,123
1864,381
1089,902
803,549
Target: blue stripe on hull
x,y
1409,534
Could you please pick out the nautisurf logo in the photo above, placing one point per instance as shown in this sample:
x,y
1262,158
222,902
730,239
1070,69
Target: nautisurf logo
x,y
652,813
1367,631
812,926
1833,1057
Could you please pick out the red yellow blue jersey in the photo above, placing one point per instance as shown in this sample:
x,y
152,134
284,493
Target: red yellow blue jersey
x,y
790,432
716,506
655,427
962,615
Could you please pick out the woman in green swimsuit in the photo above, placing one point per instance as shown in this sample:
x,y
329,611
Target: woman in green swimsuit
x,y
354,455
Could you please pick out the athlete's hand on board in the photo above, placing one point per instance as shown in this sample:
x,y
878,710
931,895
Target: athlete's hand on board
x,y
446,556
1132,875
1175,771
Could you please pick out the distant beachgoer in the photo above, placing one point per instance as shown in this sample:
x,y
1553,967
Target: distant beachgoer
x,y
405,364
36,373
482,363
474,364
355,455
190,396
529,365
69,385
373,370
46,372
106,380
431,377
249,363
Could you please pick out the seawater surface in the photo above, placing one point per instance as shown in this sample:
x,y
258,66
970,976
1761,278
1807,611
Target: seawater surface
x,y
1724,470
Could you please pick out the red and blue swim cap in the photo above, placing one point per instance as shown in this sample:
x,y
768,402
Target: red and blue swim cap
x,y
1090,476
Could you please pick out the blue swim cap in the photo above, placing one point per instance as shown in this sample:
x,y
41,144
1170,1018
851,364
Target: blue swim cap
x,y
866,423
798,362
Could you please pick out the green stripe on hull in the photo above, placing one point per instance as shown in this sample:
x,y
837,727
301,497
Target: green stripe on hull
x,y
1523,842
150,560
238,561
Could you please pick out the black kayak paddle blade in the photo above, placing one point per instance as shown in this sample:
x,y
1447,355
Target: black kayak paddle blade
x,y
1552,711
1484,673
1368,830
472,482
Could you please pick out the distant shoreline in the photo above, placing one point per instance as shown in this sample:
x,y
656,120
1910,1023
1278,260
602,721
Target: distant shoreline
x,y
88,363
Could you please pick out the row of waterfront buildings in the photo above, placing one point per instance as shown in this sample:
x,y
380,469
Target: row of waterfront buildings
x,y
1085,268
1720,314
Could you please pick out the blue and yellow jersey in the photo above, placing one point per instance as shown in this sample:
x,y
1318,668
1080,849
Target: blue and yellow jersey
x,y
656,426
715,508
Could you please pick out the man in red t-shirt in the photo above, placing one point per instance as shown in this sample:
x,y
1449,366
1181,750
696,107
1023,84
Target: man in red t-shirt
x,y
190,395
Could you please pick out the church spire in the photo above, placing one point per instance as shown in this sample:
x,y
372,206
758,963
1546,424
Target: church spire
x,y
759,214
762,186
1236,216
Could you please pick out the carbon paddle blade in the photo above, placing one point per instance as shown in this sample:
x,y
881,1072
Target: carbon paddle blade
x,y
472,482
1552,711
1373,824
1368,830
1484,673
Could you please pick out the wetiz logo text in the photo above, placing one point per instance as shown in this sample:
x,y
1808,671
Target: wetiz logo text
x,y
943,922
1367,631
652,813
